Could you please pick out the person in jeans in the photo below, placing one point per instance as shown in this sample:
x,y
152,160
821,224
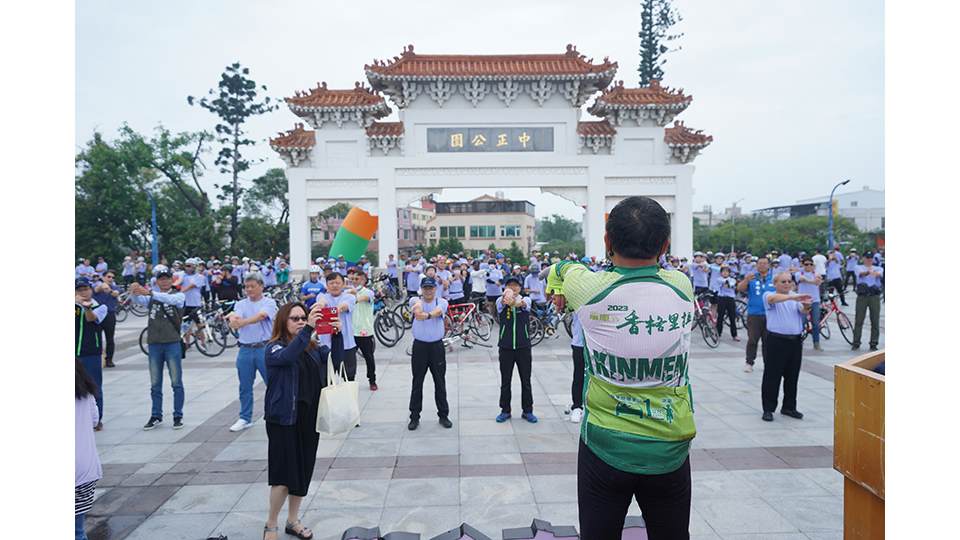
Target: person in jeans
x,y
513,311
755,284
727,302
363,324
638,423
88,316
106,292
87,468
786,312
253,318
164,314
869,287
297,370
808,283
428,353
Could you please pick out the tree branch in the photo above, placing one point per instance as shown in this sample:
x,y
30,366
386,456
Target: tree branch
x,y
178,183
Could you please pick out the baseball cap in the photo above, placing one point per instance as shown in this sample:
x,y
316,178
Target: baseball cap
x,y
511,279
314,269
81,282
428,282
499,255
161,270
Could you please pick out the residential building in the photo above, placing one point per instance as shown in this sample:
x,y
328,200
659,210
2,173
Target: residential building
x,y
483,221
865,207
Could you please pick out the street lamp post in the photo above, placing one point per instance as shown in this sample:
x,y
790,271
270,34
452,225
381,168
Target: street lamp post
x,y
830,214
155,253
733,222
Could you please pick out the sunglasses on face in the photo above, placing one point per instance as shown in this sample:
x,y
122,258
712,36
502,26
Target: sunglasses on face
x,y
299,318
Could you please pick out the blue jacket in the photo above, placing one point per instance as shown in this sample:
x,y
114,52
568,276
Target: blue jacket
x,y
283,374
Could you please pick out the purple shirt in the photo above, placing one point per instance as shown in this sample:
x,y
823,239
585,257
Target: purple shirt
x,y
785,262
699,275
346,319
429,330
869,281
261,330
804,287
783,317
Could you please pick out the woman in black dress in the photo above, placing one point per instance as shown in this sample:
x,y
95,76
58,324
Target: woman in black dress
x,y
296,372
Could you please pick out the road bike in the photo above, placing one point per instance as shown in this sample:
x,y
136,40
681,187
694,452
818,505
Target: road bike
x,y
550,321
388,326
828,307
706,319
126,305
193,333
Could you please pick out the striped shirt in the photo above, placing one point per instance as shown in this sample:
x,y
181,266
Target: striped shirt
x,y
83,497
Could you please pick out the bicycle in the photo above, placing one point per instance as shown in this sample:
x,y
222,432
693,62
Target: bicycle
x,y
706,319
388,327
462,320
551,320
827,308
125,304
192,333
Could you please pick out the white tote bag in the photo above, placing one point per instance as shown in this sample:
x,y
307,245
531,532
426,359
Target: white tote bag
x,y
339,406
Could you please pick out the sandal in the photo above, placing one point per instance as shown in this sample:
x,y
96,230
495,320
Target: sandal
x,y
303,534
266,530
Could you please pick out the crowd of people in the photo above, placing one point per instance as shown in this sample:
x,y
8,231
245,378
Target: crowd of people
x,y
629,381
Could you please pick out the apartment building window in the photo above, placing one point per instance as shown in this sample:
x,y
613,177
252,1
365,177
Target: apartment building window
x,y
452,232
853,204
326,235
406,234
510,231
483,231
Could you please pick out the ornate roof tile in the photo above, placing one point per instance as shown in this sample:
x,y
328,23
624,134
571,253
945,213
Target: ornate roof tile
x,y
461,66
596,128
652,95
321,97
296,138
382,129
681,135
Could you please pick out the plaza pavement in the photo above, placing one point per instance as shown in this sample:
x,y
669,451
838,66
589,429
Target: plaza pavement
x,y
751,479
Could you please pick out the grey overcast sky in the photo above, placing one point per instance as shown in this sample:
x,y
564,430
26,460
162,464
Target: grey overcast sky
x,y
791,91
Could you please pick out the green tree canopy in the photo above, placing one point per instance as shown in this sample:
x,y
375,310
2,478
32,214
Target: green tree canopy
x,y
760,235
557,228
268,196
656,19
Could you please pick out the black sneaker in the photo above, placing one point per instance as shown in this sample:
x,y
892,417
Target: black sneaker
x,y
414,423
793,414
767,417
445,422
177,422
152,423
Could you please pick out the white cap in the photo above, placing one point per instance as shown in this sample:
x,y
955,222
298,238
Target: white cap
x,y
314,269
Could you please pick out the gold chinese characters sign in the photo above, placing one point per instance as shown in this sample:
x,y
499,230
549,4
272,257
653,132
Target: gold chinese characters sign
x,y
490,139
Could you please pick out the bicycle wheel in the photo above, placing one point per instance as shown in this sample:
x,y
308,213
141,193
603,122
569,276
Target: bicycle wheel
x,y
143,342
481,325
535,331
824,329
138,310
223,334
846,329
386,329
121,313
403,310
568,325
710,336
741,318
209,346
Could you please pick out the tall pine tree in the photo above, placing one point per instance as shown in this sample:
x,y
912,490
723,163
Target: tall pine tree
x,y
656,18
234,101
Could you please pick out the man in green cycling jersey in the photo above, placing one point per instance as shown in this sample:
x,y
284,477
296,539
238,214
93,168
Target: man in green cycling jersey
x,y
638,416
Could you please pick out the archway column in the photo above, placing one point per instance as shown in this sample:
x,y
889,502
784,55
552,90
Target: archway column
x,y
593,218
387,219
299,220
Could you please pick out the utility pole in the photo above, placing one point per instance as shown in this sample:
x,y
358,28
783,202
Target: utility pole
x,y
830,214
155,253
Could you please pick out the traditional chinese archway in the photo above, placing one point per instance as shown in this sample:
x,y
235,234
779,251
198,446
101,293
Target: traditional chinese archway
x,y
471,121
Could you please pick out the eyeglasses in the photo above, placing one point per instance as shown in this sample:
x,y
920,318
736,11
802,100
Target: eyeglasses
x,y
298,318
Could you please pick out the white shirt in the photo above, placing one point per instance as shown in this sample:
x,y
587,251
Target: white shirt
x,y
819,264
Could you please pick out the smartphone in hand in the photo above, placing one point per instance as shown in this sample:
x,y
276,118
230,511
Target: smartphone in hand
x,y
327,317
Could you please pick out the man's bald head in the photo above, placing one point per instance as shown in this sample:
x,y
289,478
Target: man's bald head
x,y
783,282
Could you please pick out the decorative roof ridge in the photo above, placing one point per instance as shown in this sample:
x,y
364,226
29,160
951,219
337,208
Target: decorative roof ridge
x,y
601,127
385,67
385,129
296,138
680,135
652,94
360,96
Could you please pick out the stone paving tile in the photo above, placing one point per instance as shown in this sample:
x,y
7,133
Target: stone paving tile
x,y
330,523
423,492
493,519
809,514
132,500
380,473
427,460
489,444
204,499
548,457
428,521
213,478
503,490
176,527
112,527
431,446
370,447
555,488
781,483
138,479
551,468
493,458
737,515
348,493
431,471
363,462
174,479
493,470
